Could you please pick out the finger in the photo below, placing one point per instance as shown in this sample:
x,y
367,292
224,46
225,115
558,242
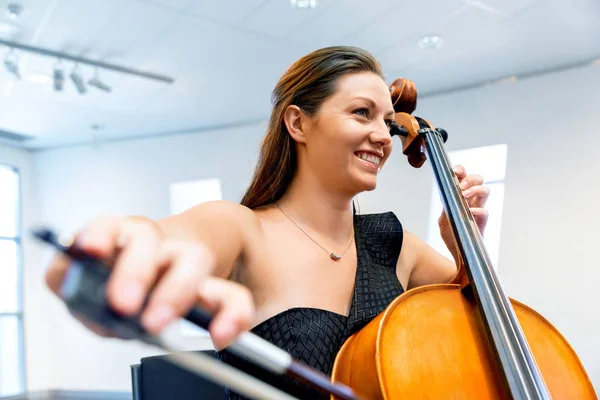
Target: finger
x,y
99,236
178,288
481,216
136,267
55,274
470,181
477,196
460,172
232,305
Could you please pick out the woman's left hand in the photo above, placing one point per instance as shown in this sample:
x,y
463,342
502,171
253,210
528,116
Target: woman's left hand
x,y
476,195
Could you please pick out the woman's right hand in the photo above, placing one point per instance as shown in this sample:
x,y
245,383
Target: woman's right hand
x,y
179,273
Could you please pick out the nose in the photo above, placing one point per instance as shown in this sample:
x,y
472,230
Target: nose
x,y
381,135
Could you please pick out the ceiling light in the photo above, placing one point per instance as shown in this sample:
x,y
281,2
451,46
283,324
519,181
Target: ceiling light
x,y
97,83
41,79
58,79
304,3
12,64
78,81
98,127
430,42
14,9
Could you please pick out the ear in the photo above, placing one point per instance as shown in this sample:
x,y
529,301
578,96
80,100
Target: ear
x,y
295,121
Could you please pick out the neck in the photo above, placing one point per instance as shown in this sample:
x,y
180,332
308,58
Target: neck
x,y
311,203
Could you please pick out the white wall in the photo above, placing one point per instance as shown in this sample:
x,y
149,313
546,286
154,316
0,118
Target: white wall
x,y
132,177
549,223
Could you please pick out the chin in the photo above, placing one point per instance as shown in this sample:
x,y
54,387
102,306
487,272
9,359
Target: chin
x,y
365,185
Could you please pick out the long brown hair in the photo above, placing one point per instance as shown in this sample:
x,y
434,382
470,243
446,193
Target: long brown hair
x,y
306,84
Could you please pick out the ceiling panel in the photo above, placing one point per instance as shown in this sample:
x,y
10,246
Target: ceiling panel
x,y
407,54
399,24
67,30
505,8
340,20
545,36
278,18
124,42
53,119
231,12
28,24
226,56
181,5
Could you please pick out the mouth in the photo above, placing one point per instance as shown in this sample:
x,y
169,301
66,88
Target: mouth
x,y
370,159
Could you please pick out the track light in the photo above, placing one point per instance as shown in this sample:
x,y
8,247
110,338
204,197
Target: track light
x,y
78,81
12,67
14,10
97,83
58,78
12,64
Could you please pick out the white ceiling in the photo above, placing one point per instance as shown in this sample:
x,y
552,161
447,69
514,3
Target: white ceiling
x,y
226,56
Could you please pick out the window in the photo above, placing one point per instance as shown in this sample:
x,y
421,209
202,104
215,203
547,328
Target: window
x,y
489,162
12,364
185,195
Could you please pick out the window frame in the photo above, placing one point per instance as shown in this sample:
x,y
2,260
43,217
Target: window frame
x,y
432,229
18,314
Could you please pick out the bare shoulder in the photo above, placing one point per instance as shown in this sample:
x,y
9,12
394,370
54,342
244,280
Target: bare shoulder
x,y
217,212
227,228
419,264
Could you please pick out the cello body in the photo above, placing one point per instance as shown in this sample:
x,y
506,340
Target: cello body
x,y
461,340
429,344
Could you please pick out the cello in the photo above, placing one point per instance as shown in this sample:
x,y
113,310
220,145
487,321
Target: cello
x,y
461,340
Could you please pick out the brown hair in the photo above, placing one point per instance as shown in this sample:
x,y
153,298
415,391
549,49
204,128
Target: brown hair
x,y
306,84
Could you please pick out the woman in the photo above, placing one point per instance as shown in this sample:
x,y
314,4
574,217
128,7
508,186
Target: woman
x,y
293,261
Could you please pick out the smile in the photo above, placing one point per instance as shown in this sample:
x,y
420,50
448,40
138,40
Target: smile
x,y
368,157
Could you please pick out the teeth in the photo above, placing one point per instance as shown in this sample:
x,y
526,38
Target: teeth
x,y
369,157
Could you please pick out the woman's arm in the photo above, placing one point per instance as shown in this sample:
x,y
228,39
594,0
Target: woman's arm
x,y
419,264
222,226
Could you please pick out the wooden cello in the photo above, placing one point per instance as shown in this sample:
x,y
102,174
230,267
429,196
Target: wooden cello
x,y
465,339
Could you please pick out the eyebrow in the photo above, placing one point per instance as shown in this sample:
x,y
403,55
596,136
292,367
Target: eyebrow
x,y
390,113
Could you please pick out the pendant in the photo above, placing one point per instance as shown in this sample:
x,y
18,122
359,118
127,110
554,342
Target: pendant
x,y
335,256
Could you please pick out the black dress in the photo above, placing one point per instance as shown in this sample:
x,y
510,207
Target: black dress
x,y
314,336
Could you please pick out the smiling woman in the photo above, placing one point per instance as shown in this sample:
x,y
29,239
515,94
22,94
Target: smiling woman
x,y
303,100
294,263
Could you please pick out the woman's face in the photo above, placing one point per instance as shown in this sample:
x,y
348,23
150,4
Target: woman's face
x,y
348,140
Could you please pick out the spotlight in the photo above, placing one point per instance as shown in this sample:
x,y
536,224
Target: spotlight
x,y
97,83
12,65
78,81
14,10
433,42
303,3
59,79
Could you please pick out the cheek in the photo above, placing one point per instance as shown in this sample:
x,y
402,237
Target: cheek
x,y
387,154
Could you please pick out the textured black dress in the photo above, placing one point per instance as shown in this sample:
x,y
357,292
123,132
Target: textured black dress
x,y
314,336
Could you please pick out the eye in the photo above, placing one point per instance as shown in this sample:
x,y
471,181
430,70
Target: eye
x,y
389,122
362,111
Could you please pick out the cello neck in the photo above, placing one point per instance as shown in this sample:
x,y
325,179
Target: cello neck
x,y
520,371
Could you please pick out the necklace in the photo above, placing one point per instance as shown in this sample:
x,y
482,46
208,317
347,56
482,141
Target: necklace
x,y
332,255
